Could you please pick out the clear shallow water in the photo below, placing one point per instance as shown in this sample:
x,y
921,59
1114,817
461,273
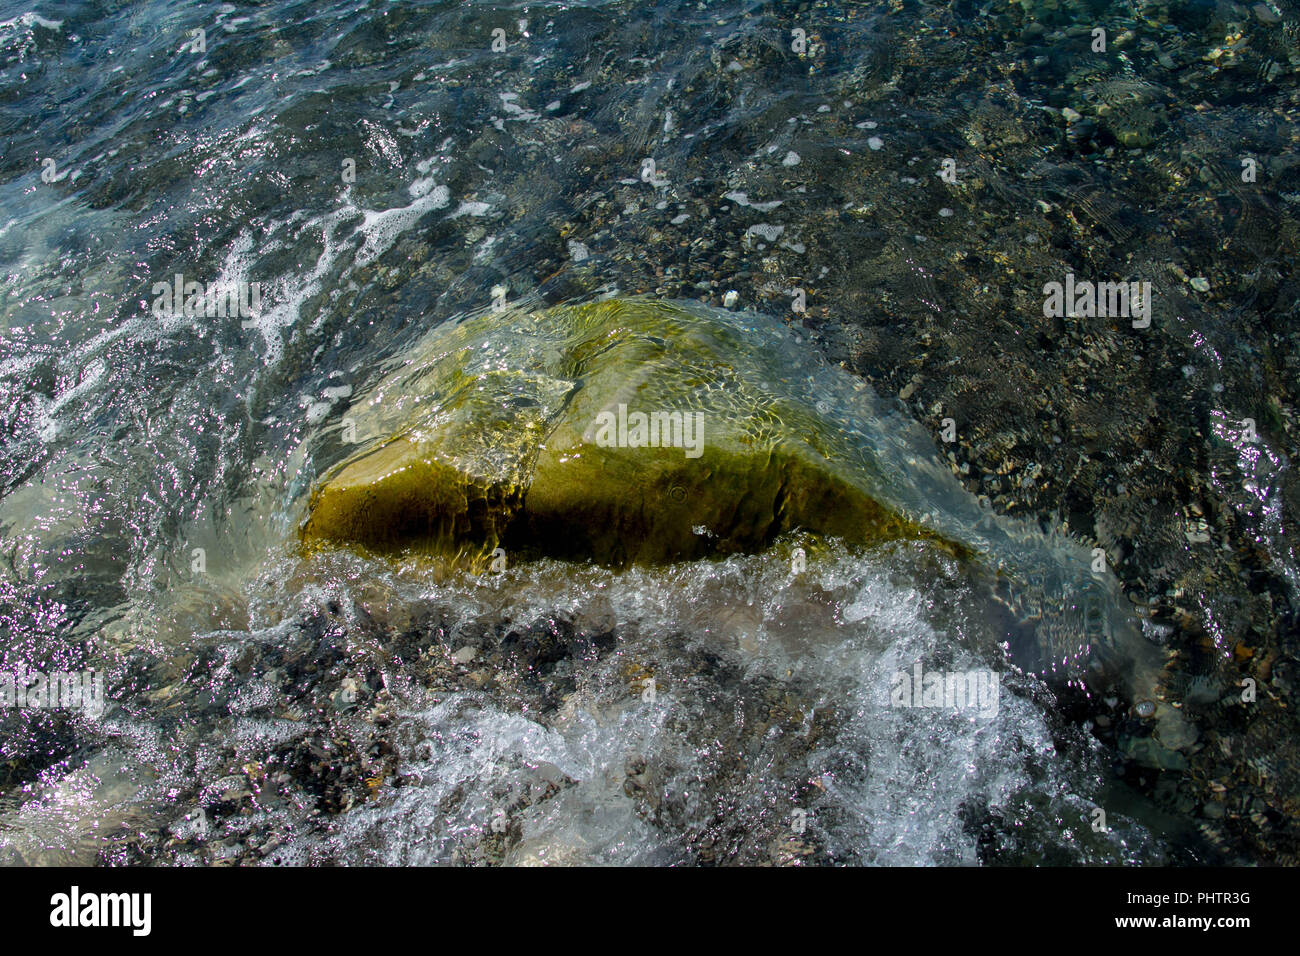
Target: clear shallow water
x,y
130,440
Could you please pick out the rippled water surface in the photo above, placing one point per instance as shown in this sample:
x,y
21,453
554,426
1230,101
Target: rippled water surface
x,y
381,168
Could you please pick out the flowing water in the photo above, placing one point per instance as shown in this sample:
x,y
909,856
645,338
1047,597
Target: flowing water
x,y
379,169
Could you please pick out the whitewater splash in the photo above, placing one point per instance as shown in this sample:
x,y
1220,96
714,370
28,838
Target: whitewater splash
x,y
726,711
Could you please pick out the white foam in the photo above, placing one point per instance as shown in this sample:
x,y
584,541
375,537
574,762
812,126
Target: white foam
x,y
742,199
30,19
471,209
282,296
765,231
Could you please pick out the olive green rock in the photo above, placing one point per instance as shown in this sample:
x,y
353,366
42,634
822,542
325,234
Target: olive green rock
x,y
621,431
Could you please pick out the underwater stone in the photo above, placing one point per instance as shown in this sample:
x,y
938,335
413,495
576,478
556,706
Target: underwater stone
x,y
622,431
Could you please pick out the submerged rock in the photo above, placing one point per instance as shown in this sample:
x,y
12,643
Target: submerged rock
x,y
642,431
625,431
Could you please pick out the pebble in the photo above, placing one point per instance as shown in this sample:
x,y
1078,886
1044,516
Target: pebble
x,y
1200,284
730,299
1265,13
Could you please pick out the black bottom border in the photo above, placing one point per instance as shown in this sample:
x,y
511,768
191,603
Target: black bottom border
x,y
339,906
